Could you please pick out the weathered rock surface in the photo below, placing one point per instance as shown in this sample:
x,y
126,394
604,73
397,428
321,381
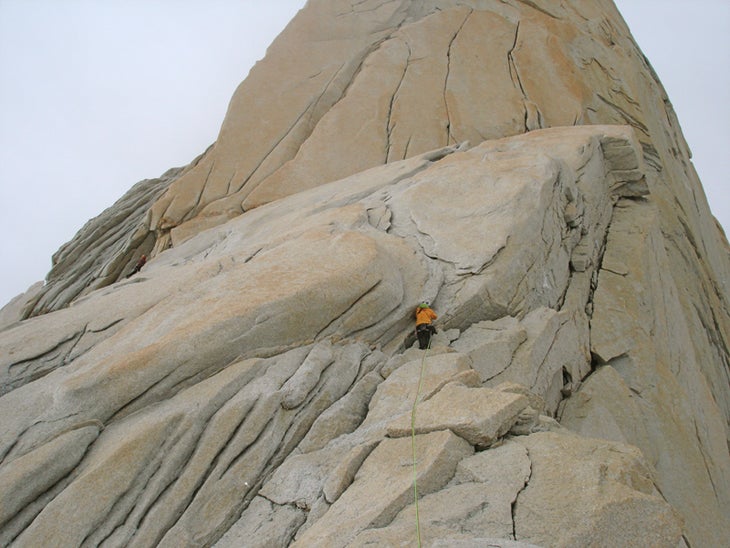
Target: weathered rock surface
x,y
256,382
384,484
627,502
479,415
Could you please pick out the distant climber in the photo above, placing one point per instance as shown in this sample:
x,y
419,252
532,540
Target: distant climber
x,y
138,266
424,329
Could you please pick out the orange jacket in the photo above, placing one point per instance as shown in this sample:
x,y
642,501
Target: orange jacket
x,y
424,315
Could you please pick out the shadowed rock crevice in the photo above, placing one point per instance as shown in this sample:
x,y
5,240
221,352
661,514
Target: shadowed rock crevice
x,y
389,126
516,501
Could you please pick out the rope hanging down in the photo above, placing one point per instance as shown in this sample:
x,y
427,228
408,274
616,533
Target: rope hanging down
x,y
413,442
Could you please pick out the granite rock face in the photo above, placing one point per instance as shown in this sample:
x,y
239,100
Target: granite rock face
x,y
515,163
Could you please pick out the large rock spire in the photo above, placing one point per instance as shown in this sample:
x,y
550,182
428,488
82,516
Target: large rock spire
x,y
516,163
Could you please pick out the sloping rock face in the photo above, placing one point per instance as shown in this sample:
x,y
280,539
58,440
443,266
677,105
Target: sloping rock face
x,y
252,381
254,384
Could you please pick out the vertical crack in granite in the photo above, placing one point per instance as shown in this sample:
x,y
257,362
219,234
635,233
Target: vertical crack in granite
x,y
449,136
514,74
515,502
390,125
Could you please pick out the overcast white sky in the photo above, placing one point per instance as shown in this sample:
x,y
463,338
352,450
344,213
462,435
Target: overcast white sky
x,y
96,95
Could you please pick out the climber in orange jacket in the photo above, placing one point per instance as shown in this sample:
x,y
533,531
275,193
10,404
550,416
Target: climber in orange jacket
x,y
424,329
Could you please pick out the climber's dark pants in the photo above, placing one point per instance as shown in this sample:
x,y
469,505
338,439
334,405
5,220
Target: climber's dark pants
x,y
424,332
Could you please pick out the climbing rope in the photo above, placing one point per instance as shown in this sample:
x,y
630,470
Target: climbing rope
x,y
413,442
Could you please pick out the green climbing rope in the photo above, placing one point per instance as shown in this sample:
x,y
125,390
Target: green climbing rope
x,y
413,443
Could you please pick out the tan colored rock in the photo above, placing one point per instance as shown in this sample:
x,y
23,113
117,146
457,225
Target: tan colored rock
x,y
256,437
477,503
551,489
518,184
645,339
606,408
344,416
536,402
285,265
480,542
407,57
384,485
501,468
479,415
491,345
411,354
94,492
163,455
263,525
299,481
439,58
462,512
30,476
343,475
315,270
298,387
555,349
224,324
397,393
587,492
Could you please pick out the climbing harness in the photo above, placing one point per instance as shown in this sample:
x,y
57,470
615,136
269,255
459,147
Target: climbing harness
x,y
413,442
